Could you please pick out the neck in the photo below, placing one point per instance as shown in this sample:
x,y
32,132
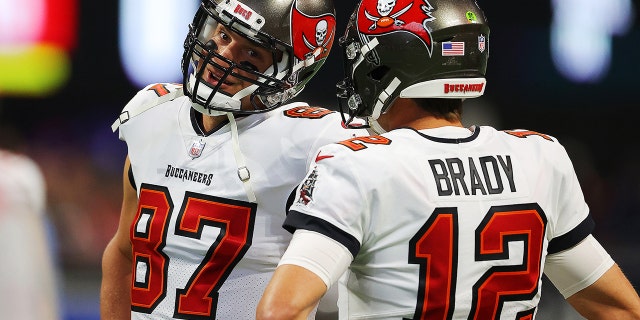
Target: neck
x,y
210,123
430,123
405,113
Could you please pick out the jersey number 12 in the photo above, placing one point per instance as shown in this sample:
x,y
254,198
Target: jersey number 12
x,y
435,249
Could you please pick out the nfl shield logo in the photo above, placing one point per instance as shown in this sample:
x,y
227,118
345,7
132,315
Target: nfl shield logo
x,y
196,148
481,43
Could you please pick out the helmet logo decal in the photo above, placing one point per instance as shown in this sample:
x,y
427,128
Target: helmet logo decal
x,y
243,12
388,19
315,37
463,87
455,48
239,10
471,16
321,32
482,43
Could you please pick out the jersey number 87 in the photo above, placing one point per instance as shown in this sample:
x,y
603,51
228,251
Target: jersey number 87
x,y
198,299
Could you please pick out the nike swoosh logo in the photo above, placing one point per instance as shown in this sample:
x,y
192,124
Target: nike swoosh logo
x,y
319,157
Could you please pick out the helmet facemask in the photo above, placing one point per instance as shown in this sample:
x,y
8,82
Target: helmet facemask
x,y
369,85
349,101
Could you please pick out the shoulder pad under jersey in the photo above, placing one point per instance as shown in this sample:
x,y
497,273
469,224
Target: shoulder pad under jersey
x,y
147,98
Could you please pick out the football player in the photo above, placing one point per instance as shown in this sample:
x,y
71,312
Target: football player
x,y
28,272
212,161
432,219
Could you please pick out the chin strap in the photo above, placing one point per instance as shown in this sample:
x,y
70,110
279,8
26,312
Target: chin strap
x,y
379,108
243,171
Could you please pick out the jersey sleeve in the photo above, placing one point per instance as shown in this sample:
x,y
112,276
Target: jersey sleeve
x,y
332,132
147,98
331,200
573,223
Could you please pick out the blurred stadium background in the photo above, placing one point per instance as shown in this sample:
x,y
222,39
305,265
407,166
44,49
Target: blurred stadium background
x,y
567,68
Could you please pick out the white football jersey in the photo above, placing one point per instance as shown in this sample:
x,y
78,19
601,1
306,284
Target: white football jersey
x,y
201,249
446,223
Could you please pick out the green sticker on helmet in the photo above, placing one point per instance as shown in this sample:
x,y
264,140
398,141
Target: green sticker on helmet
x,y
471,16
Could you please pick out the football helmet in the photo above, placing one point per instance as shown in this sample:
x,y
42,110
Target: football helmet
x,y
298,34
411,49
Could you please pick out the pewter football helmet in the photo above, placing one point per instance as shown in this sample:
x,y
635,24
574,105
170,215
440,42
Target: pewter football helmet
x,y
412,49
301,32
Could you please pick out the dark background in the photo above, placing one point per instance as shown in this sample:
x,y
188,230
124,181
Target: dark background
x,y
68,133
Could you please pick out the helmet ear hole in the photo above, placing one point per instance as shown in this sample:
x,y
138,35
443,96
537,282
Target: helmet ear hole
x,y
378,73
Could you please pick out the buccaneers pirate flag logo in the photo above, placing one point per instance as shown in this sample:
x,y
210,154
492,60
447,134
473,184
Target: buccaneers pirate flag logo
x,y
376,17
306,190
315,37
